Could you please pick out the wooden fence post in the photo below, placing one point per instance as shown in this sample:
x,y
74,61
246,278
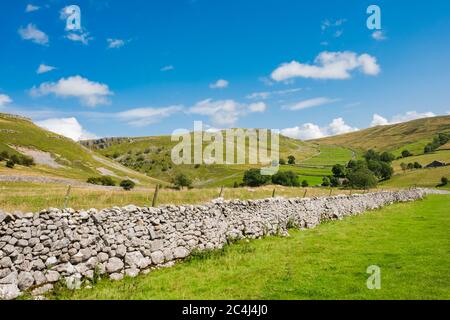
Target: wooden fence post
x,y
331,191
306,191
221,192
66,199
273,193
155,196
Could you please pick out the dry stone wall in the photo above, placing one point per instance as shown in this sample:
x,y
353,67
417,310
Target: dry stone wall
x,y
38,250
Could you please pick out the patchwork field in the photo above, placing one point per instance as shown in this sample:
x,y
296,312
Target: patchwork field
x,y
409,242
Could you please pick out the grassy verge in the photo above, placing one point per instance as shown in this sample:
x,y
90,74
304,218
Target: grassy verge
x,y
35,197
409,242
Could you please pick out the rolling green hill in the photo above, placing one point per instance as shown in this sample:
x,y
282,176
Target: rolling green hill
x,y
152,156
413,136
55,156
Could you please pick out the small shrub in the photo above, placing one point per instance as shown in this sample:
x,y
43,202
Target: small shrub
x,y
236,185
286,178
291,160
282,162
10,164
101,181
253,178
305,184
127,185
444,181
182,180
326,182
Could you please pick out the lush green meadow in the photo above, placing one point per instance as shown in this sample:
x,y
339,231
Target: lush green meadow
x,y
409,242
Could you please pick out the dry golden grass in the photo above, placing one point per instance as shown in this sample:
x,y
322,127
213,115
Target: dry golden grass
x,y
29,197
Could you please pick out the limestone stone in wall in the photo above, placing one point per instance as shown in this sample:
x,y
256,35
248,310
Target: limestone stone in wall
x,y
37,250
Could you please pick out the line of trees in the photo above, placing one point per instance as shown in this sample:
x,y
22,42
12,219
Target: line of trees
x,y
438,141
254,178
363,173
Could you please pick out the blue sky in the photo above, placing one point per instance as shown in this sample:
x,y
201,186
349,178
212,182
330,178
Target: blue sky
x,y
309,68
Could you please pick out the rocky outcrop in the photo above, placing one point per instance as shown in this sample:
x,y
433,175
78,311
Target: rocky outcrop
x,y
37,250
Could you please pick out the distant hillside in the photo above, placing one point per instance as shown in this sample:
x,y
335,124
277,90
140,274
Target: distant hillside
x,y
413,135
152,156
55,155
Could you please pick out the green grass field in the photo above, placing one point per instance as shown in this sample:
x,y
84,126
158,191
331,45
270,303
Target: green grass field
x,y
329,156
409,242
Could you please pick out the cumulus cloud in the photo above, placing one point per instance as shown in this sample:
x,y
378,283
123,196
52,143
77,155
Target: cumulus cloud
x,y
31,8
167,68
67,127
219,84
88,92
116,43
225,113
329,65
379,35
378,120
43,68
267,94
310,103
83,37
4,100
309,131
144,116
32,33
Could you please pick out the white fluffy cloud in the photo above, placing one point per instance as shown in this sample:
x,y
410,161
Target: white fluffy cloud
x,y
4,100
90,93
219,84
225,113
309,131
379,35
32,33
43,68
310,103
329,65
84,37
31,8
68,127
115,43
378,120
144,116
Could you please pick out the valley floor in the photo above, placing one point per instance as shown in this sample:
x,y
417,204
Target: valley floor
x,y
409,242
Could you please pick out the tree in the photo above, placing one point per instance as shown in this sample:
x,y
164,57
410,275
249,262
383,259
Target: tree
x,y
404,166
444,181
428,148
305,184
26,161
406,154
387,157
326,182
339,171
410,166
291,160
236,185
102,181
282,162
362,178
286,178
127,185
372,155
376,167
182,180
417,165
10,164
15,158
386,171
254,178
335,182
